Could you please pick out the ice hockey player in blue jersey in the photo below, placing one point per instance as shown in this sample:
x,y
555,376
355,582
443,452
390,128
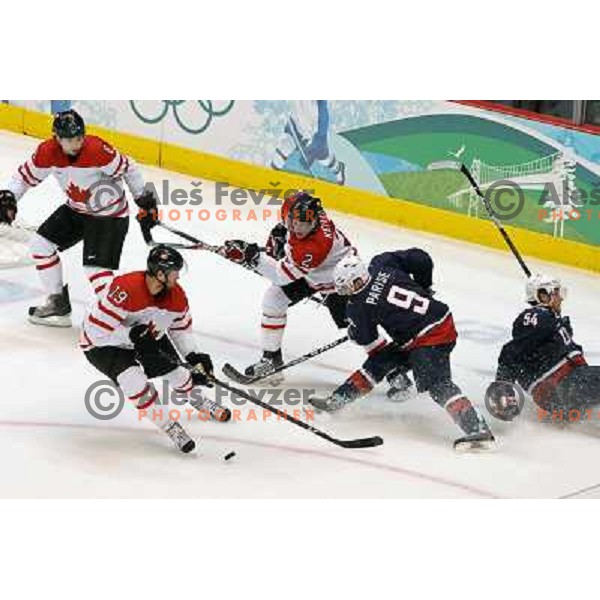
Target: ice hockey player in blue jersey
x,y
542,357
395,293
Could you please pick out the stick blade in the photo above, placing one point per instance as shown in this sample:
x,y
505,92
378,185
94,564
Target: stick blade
x,y
370,442
232,373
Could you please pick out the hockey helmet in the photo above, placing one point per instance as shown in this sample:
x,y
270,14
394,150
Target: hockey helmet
x,y
68,124
541,282
301,214
164,258
350,275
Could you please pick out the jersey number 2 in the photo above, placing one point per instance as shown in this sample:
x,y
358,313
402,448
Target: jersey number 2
x,y
408,300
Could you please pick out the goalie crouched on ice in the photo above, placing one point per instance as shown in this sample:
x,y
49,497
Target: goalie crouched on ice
x,y
542,357
136,332
394,293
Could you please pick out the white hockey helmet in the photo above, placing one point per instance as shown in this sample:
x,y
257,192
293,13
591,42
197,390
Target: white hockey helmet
x,y
541,282
350,275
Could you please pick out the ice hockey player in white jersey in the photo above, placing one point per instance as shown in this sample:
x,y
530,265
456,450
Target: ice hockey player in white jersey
x,y
91,174
137,331
302,252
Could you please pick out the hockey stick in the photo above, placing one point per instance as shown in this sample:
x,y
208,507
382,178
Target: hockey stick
x,y
200,245
494,218
229,370
197,244
232,373
369,442
486,202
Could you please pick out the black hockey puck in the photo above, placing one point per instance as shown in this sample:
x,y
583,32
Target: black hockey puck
x,y
230,455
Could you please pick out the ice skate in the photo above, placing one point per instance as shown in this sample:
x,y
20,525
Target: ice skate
x,y
55,313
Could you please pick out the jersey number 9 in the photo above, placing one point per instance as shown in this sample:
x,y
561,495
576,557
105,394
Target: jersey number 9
x,y
408,300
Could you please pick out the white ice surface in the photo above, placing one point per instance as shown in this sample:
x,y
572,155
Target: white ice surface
x,y
51,447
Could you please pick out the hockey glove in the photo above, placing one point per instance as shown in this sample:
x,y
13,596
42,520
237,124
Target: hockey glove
x,y
8,207
142,339
276,241
241,252
566,323
148,214
202,368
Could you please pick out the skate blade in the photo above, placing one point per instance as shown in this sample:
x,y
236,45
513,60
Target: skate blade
x,y
54,321
321,410
478,446
310,411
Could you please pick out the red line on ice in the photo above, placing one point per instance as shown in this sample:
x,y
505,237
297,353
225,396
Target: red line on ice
x,y
348,459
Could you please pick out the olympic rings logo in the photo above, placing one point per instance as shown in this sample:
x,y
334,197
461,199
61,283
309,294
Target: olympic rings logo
x,y
199,112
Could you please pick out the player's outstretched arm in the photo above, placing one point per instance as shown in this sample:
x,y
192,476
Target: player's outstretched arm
x,y
32,172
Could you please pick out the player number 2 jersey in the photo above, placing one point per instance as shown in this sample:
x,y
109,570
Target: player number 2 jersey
x,y
312,258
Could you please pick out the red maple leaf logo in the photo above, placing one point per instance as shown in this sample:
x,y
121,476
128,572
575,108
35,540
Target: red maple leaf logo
x,y
77,194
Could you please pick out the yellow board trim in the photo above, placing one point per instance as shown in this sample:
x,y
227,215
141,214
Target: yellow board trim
x,y
348,200
11,118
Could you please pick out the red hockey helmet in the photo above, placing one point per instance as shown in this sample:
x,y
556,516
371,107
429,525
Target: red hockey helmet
x,y
300,214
